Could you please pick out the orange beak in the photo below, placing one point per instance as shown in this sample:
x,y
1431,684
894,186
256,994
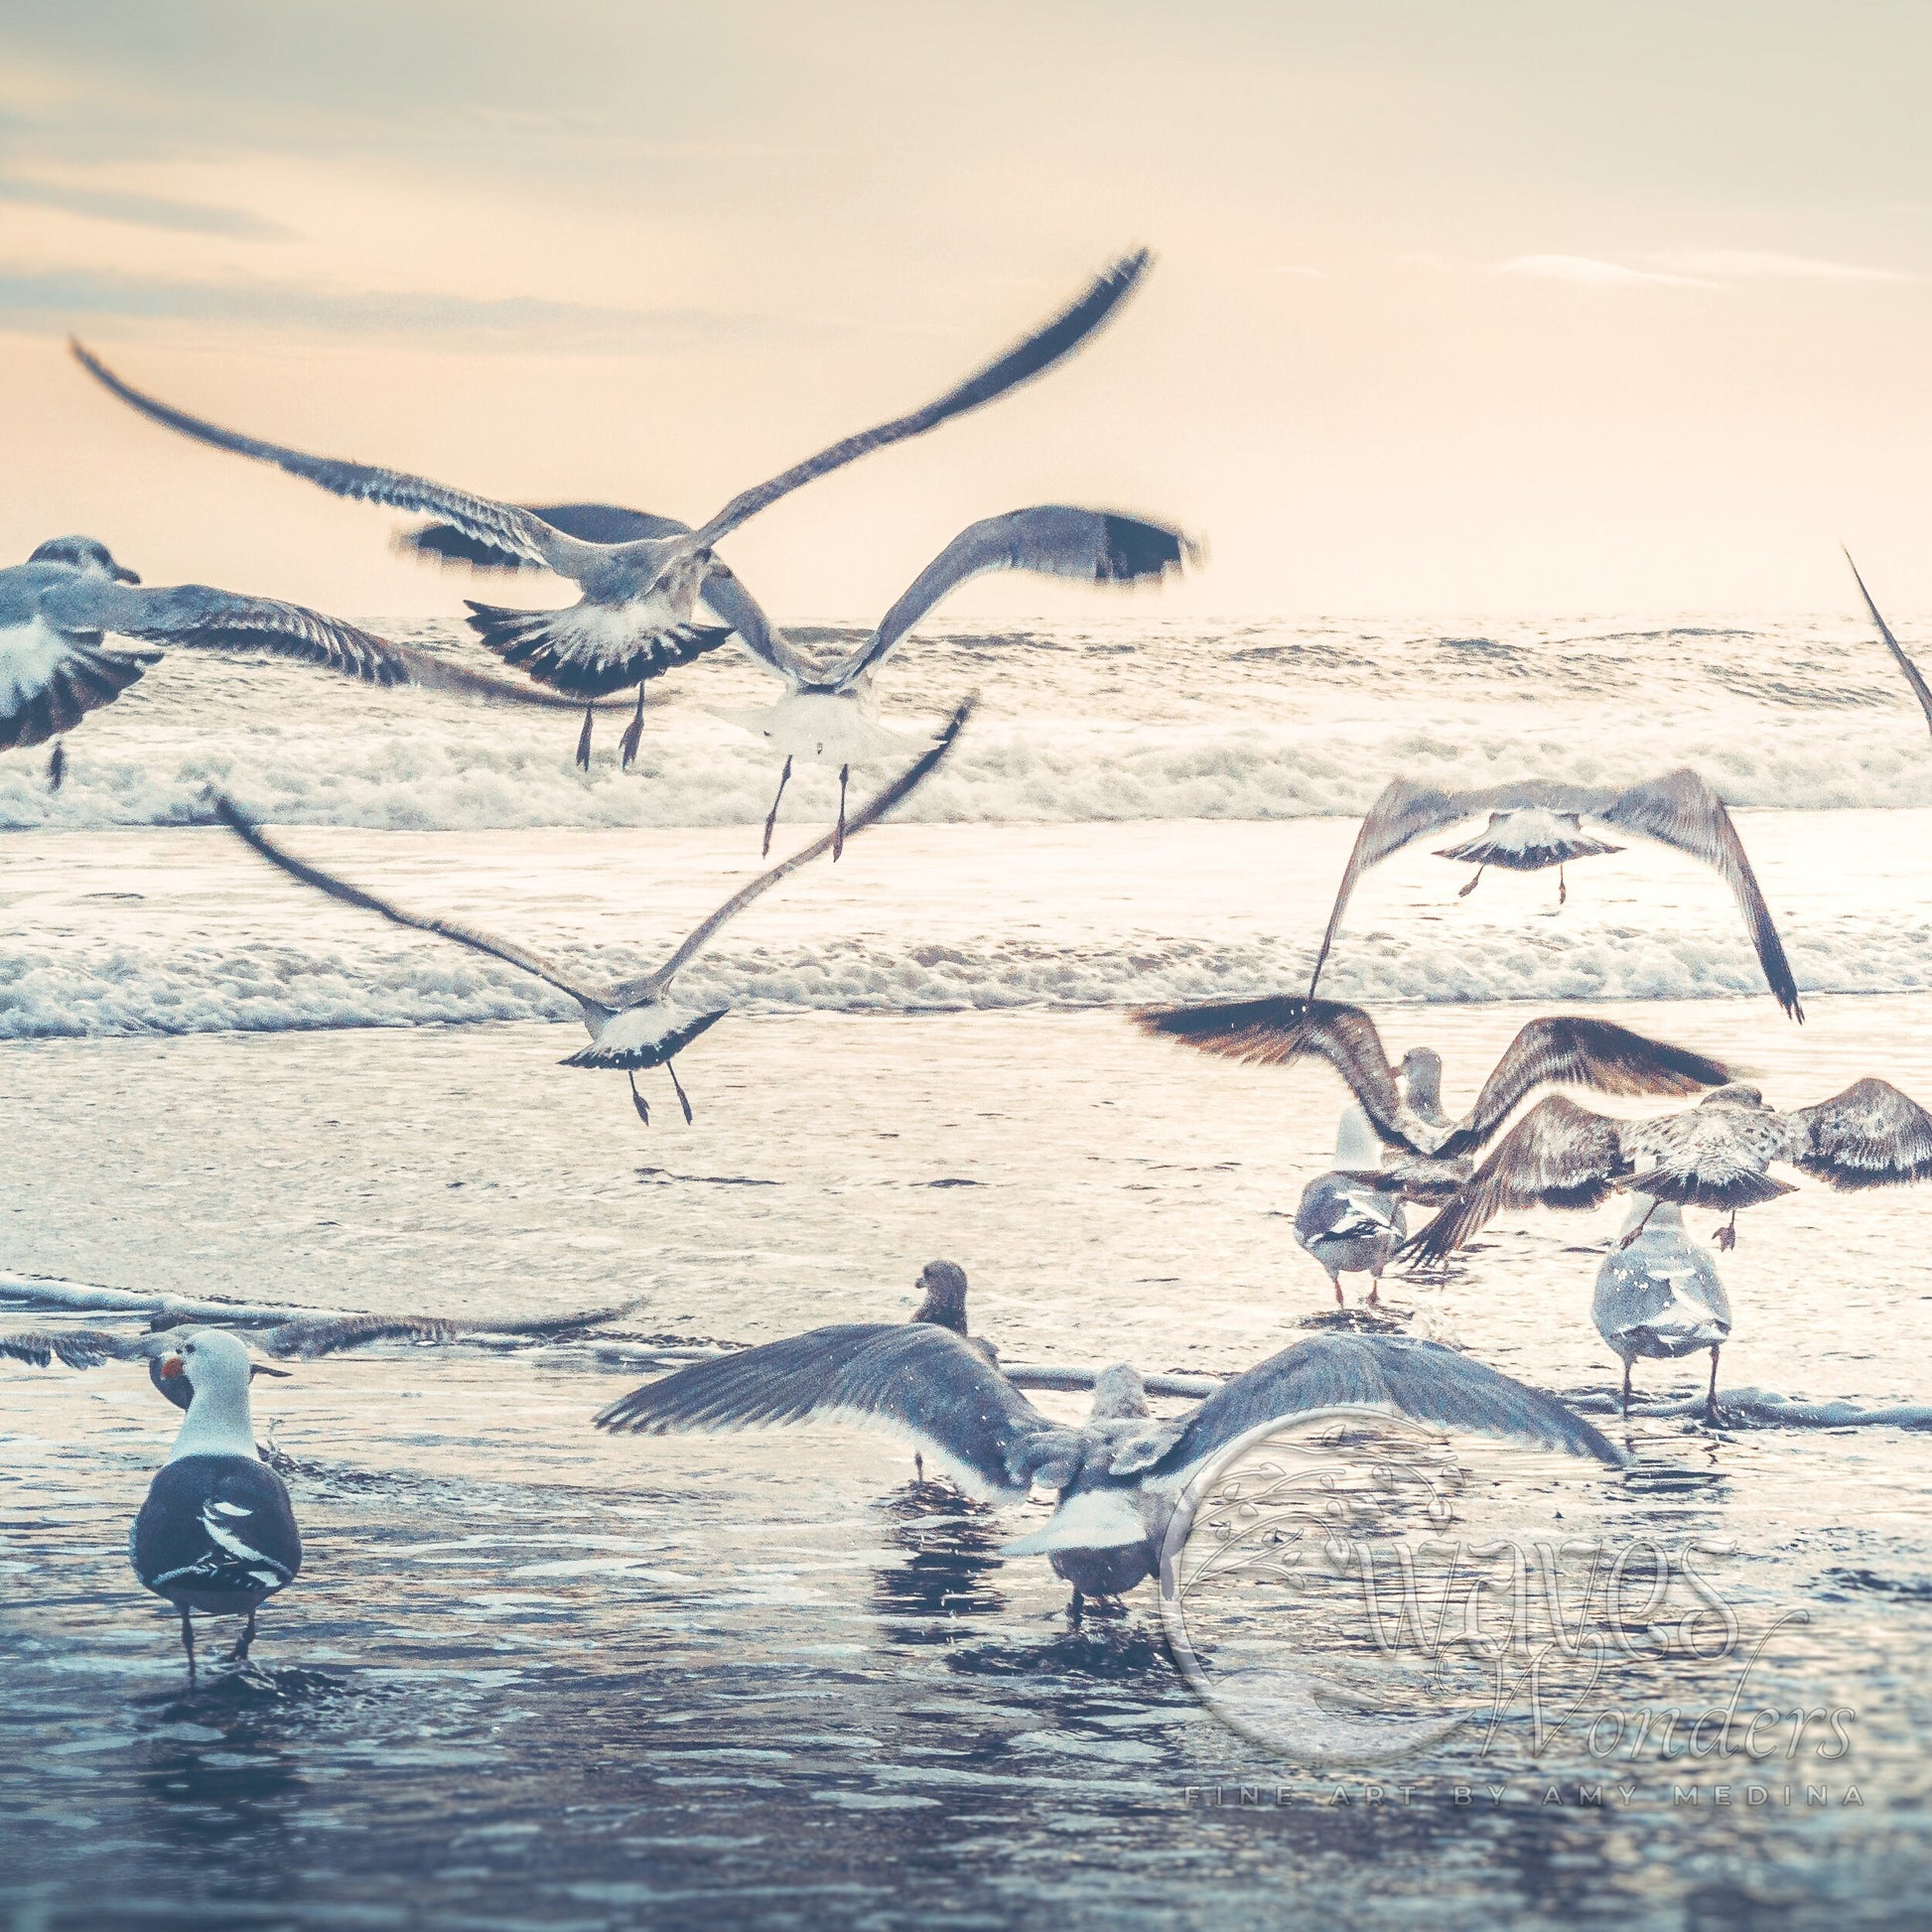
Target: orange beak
x,y
171,1366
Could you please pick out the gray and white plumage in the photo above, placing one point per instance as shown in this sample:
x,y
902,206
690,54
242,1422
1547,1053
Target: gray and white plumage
x,y
1404,1103
1913,677
639,593
1658,1295
1715,1154
1350,1218
632,1024
1535,824
1119,1475
59,609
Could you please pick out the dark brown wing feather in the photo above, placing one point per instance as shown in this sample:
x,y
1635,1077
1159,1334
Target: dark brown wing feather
x,y
1869,1136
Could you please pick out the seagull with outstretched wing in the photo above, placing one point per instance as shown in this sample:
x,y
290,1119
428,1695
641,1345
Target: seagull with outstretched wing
x,y
633,1024
636,616
1718,1153
1538,823
59,609
1120,1475
1913,676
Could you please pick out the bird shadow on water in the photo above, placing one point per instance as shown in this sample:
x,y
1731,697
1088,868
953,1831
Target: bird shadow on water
x,y
950,1547
1112,1643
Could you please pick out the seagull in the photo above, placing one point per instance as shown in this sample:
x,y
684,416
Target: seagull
x,y
1714,1154
1403,1104
1658,1294
216,1533
632,1024
1350,1219
1537,823
1121,1474
1921,690
637,615
59,608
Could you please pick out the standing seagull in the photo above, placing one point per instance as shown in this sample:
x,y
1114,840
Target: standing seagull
x,y
1658,1294
1537,823
1715,1154
1350,1219
632,1024
1921,690
826,716
217,1532
1121,1474
636,617
57,608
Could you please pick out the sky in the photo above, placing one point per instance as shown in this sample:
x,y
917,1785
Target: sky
x,y
1522,309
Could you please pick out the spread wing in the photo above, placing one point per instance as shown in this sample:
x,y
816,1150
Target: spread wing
x,y
1581,1053
913,1379
1869,1136
250,834
1020,363
50,680
1921,690
1273,1031
600,523
1559,1155
78,1347
907,782
1403,813
505,527
1681,811
1393,1374
1050,540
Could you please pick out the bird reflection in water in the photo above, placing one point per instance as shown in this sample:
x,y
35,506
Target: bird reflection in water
x,y
950,1546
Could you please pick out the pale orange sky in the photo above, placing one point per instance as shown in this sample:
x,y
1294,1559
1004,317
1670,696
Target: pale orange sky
x,y
1491,308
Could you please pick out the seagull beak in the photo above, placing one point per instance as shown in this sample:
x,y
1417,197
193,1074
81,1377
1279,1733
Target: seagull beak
x,y
262,1368
171,1366
125,576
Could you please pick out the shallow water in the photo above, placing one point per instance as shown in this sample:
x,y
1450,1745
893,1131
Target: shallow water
x,y
534,1674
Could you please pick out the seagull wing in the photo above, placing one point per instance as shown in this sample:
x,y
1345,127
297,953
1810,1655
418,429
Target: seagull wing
x,y
1404,812
506,527
1681,810
907,782
1559,1155
1392,1374
1869,1136
1567,1050
599,523
1275,1030
309,1336
911,1379
250,834
1049,540
725,592
1921,689
1020,363
49,679
76,1347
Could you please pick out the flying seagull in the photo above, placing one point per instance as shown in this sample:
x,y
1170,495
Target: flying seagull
x,y
1404,1102
58,608
1715,1154
636,616
632,1024
1537,823
1921,690
216,1533
1658,1294
1121,1474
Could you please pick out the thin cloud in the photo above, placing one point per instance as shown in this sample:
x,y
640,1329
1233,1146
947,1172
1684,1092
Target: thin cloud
x,y
141,210
1587,272
1749,265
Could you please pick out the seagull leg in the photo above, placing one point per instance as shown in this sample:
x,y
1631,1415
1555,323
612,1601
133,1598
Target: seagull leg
x,y
1473,884
57,765
1374,1286
1075,1611
584,739
1626,1391
239,1654
1563,891
771,817
188,1644
633,733
638,1101
1726,1237
918,1466
1711,1394
1641,1225
682,1101
838,831
1335,1278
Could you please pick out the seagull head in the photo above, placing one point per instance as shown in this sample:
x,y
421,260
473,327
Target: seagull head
x,y
85,554
1738,1094
943,1284
212,1362
1421,1074
681,574
1119,1393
